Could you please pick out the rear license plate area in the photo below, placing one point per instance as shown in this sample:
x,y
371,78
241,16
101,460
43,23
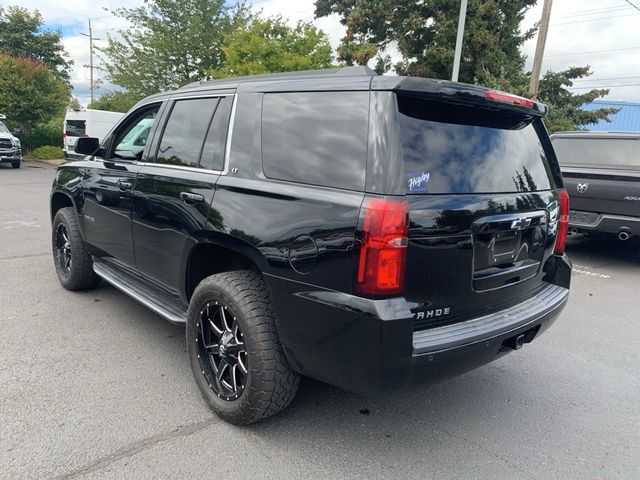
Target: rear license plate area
x,y
507,249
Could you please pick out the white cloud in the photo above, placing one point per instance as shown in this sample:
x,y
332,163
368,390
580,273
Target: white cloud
x,y
603,25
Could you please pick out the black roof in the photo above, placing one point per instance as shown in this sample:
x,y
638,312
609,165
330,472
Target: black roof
x,y
357,78
324,74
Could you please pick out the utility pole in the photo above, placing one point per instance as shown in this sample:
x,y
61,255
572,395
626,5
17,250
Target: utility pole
x,y
91,67
458,53
542,40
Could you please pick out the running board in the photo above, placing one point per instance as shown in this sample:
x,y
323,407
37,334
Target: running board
x,y
150,297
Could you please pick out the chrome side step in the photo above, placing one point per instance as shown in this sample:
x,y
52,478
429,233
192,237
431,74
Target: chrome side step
x,y
143,293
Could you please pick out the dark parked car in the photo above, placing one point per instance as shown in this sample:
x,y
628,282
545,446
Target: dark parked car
x,y
601,172
371,232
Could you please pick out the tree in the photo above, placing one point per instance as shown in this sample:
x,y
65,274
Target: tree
x,y
22,35
270,45
74,103
564,106
425,33
116,101
170,43
31,93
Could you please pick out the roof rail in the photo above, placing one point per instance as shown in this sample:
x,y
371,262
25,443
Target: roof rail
x,y
352,71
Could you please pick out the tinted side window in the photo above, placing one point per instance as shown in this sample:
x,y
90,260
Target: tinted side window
x,y
318,138
130,139
185,131
455,149
214,146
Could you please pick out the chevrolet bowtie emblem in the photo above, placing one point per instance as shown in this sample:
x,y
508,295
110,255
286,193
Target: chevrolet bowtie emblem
x,y
520,223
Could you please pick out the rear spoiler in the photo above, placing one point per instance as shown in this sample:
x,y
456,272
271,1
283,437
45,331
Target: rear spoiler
x,y
461,94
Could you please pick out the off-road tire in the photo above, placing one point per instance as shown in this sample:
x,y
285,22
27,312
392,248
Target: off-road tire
x,y
80,276
16,164
271,384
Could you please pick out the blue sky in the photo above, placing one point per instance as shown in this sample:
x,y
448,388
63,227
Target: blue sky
x,y
601,33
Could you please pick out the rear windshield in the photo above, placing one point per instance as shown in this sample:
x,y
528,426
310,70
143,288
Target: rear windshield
x,y
75,128
458,149
598,152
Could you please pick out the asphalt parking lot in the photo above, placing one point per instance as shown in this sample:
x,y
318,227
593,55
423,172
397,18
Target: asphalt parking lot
x,y
93,385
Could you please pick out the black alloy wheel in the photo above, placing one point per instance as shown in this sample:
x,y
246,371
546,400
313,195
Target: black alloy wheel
x,y
221,351
73,263
63,249
234,349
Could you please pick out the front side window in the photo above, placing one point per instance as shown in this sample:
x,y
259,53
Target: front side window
x,y
131,140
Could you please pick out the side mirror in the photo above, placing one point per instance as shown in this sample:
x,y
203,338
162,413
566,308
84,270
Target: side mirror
x,y
15,132
87,145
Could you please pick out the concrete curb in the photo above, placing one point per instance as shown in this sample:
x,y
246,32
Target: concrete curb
x,y
50,162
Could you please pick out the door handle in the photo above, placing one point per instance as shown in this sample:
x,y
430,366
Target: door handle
x,y
190,198
122,185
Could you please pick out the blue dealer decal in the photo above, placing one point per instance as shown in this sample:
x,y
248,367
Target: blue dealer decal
x,y
416,182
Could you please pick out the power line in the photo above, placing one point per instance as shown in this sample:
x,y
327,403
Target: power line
x,y
591,87
594,19
596,11
633,5
593,51
605,78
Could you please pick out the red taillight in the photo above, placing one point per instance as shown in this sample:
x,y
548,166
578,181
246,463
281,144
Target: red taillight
x,y
383,250
563,223
508,98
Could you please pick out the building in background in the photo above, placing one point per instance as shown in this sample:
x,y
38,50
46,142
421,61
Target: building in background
x,y
626,120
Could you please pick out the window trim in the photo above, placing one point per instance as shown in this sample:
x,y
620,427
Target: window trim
x,y
227,151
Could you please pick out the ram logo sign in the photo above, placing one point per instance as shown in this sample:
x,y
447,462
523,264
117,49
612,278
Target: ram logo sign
x,y
582,187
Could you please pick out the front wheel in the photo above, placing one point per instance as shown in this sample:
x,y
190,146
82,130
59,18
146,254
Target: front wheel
x,y
16,164
73,263
234,349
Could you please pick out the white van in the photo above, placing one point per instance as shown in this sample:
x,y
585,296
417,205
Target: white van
x,y
86,123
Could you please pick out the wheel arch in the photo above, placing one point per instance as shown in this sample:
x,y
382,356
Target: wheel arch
x,y
60,200
217,256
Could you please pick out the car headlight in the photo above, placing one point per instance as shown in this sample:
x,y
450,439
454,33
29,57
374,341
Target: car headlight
x,y
15,142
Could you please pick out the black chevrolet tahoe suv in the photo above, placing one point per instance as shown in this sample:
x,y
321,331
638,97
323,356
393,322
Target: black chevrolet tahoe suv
x,y
372,232
601,172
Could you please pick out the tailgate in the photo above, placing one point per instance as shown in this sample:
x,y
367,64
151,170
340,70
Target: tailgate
x,y
483,209
603,191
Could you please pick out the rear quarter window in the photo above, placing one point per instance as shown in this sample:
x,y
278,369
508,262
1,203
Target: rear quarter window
x,y
317,138
455,149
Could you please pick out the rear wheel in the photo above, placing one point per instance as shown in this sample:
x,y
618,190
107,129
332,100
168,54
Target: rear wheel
x,y
235,353
73,263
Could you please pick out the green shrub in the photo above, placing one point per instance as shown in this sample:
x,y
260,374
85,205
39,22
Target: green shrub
x,y
47,152
49,133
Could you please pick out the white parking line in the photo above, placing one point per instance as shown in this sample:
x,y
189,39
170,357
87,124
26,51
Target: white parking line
x,y
586,271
